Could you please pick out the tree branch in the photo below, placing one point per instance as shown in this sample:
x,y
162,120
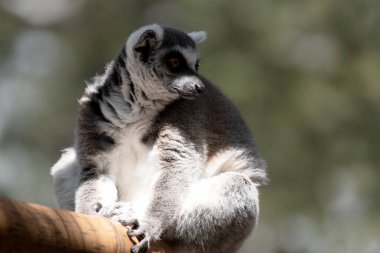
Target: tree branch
x,y
26,227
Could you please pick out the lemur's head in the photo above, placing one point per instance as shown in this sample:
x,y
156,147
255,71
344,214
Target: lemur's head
x,y
164,61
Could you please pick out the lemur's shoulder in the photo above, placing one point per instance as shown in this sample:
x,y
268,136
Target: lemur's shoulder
x,y
212,115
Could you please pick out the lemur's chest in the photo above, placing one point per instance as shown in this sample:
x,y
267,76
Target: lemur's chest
x,y
134,166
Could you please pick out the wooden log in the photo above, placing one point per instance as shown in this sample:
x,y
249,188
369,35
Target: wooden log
x,y
26,227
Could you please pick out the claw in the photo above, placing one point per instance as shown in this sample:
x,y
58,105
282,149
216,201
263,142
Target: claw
x,y
141,247
136,232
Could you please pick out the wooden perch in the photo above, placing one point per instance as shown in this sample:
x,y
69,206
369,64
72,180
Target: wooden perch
x,y
26,227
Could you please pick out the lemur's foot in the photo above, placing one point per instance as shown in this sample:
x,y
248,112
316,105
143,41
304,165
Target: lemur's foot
x,y
121,212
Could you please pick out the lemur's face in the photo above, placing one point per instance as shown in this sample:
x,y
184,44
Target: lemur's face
x,y
168,59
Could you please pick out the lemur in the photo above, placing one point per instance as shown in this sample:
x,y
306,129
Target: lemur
x,y
159,148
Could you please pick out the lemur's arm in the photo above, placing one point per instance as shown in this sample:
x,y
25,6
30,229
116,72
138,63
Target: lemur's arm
x,y
80,189
180,166
96,189
95,193
98,120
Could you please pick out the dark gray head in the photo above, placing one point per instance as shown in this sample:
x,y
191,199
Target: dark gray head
x,y
164,61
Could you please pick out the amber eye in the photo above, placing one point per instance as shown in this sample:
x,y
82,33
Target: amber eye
x,y
174,62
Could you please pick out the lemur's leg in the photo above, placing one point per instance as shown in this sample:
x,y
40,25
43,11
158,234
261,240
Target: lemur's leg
x,y
223,206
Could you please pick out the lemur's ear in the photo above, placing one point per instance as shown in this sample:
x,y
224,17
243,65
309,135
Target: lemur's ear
x,y
145,44
198,37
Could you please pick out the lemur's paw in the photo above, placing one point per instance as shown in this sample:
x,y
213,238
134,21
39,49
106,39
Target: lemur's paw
x,y
141,247
121,212
146,233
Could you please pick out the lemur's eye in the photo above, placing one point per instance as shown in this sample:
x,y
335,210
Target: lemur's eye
x,y
174,62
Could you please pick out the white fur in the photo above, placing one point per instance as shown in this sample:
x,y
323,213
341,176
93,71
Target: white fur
x,y
105,189
228,160
190,54
152,88
93,87
227,163
65,176
196,197
183,79
235,160
67,159
199,36
133,166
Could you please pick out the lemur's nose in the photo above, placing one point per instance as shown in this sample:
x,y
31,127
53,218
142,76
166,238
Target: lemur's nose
x,y
199,88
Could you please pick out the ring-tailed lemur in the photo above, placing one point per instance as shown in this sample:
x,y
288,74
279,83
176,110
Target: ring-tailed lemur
x,y
159,148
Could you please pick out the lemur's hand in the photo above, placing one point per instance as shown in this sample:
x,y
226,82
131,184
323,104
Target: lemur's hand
x,y
121,212
145,231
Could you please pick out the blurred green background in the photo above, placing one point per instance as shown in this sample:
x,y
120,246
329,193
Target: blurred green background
x,y
304,74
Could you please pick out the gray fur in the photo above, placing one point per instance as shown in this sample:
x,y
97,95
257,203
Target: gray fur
x,y
163,150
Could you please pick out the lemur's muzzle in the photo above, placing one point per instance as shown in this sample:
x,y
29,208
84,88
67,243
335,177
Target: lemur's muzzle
x,y
187,87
